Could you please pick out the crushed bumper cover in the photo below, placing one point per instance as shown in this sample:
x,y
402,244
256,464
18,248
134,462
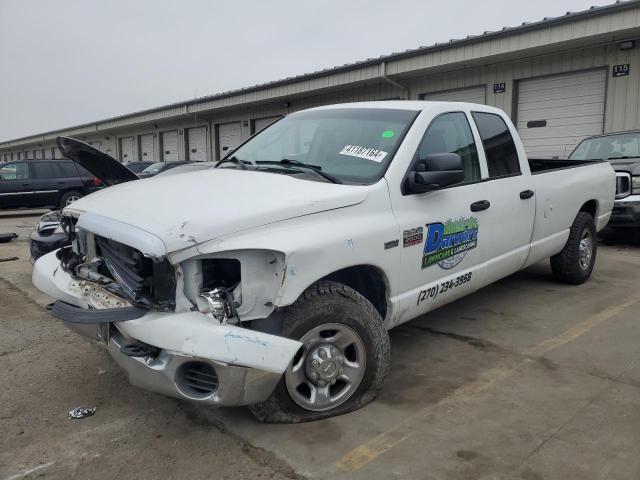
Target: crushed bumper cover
x,y
248,364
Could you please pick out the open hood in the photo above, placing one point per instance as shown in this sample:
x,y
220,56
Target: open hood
x,y
106,168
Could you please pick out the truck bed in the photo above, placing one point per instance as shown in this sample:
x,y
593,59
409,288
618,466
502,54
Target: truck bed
x,y
541,165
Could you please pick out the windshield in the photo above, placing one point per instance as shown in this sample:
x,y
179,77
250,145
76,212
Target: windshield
x,y
354,145
154,167
609,147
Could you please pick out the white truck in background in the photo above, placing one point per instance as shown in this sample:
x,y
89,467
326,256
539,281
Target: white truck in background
x,y
272,279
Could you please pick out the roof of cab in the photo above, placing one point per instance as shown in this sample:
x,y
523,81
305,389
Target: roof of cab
x,y
415,105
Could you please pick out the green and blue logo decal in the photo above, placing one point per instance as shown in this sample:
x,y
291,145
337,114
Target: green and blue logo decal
x,y
447,243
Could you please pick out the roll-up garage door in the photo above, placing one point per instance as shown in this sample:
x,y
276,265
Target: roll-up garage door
x,y
554,113
127,149
147,153
169,146
260,123
197,144
471,95
229,135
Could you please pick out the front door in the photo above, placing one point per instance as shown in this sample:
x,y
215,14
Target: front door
x,y
16,185
443,241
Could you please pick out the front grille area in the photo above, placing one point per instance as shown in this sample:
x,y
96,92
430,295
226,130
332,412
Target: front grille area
x,y
623,184
197,379
143,280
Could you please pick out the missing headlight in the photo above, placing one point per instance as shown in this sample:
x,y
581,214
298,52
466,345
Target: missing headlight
x,y
220,272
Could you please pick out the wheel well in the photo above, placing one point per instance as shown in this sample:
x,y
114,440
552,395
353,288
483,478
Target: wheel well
x,y
368,281
590,207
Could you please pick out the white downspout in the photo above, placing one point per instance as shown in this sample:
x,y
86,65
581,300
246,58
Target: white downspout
x,y
383,75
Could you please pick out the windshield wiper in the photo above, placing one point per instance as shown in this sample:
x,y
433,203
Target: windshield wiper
x,y
240,163
618,158
314,168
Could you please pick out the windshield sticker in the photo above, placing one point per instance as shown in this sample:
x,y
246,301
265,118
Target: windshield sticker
x,y
388,134
363,152
448,243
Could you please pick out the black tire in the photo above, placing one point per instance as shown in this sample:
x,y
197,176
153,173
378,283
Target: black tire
x,y
568,266
69,195
330,303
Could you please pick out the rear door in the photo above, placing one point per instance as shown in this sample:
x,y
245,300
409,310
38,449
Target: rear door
x,y
45,184
16,185
510,190
442,242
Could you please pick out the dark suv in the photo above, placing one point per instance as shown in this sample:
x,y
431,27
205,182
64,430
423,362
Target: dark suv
x,y
44,183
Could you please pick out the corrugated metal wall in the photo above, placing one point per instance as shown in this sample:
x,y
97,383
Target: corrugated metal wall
x,y
622,101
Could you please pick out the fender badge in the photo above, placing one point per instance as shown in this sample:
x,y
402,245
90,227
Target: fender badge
x,y
391,244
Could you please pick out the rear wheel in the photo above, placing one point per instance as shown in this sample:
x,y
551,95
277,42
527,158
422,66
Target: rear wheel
x,y
68,198
342,363
575,262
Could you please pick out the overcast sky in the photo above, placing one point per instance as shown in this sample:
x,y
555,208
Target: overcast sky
x,y
67,62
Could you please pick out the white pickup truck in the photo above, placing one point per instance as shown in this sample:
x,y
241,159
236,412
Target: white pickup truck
x,y
271,280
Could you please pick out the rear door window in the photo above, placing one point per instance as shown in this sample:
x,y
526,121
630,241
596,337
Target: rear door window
x,y
65,170
499,147
43,170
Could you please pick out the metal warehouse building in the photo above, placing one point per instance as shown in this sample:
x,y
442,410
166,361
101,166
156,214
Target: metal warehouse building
x,y
561,79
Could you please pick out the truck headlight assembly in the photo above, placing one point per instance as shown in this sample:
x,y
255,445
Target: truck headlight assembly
x,y
219,303
635,184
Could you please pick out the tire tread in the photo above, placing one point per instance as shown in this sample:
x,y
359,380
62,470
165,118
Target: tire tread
x,y
273,410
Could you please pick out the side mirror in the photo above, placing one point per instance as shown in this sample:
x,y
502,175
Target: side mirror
x,y
435,171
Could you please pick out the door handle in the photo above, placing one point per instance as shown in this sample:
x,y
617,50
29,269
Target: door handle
x,y
525,194
480,205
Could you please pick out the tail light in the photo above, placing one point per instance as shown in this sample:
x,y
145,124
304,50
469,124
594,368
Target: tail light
x,y
95,181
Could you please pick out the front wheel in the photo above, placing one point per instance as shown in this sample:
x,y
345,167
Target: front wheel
x,y
343,361
575,262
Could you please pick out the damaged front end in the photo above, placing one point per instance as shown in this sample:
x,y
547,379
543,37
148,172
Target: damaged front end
x,y
173,328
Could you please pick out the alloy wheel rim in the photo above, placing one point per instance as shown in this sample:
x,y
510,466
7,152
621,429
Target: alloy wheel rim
x,y
328,369
71,199
585,250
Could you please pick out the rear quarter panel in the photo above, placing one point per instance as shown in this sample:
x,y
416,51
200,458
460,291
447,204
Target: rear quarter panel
x,y
560,194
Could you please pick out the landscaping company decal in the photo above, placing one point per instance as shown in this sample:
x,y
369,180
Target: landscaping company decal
x,y
447,243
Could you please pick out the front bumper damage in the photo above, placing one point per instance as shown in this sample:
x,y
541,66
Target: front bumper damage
x,y
193,357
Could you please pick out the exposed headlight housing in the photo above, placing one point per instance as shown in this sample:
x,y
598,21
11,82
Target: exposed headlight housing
x,y
635,184
219,303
